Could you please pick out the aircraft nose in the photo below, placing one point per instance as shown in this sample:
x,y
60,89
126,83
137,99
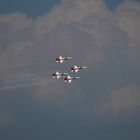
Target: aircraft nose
x,y
57,60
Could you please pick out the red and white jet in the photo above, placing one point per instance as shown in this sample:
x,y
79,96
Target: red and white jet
x,y
60,59
70,78
76,68
57,74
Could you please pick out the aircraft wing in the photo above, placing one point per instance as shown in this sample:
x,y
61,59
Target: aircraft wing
x,y
58,76
61,61
69,81
76,70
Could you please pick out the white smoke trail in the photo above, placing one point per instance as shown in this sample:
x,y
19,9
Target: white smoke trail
x,y
10,78
26,85
29,64
24,79
26,64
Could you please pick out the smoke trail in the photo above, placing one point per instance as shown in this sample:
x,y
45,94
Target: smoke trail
x,y
26,85
32,77
27,64
24,76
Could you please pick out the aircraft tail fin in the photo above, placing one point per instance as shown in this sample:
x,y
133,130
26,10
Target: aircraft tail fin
x,y
65,73
84,67
68,58
77,77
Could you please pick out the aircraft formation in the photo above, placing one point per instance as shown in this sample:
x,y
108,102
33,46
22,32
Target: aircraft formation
x,y
67,77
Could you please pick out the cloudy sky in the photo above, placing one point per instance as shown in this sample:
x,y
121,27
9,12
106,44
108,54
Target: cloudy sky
x,y
100,34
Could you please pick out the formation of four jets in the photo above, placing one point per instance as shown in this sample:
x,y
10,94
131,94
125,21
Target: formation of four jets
x,y
67,77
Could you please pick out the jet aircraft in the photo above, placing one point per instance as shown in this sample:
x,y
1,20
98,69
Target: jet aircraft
x,y
76,68
57,74
60,59
70,78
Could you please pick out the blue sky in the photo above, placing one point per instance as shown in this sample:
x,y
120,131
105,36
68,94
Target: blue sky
x,y
30,8
112,4
39,7
102,35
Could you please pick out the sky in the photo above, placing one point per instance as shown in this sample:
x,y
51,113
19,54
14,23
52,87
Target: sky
x,y
102,35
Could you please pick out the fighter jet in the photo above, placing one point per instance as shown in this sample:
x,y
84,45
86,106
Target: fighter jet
x,y
57,74
60,59
70,78
76,68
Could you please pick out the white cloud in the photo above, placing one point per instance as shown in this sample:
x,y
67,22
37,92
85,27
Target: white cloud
x,y
15,36
83,29
70,11
120,103
128,19
15,22
89,20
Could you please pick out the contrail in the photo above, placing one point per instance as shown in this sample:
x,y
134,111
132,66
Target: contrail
x,y
25,85
32,77
24,76
23,79
26,64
